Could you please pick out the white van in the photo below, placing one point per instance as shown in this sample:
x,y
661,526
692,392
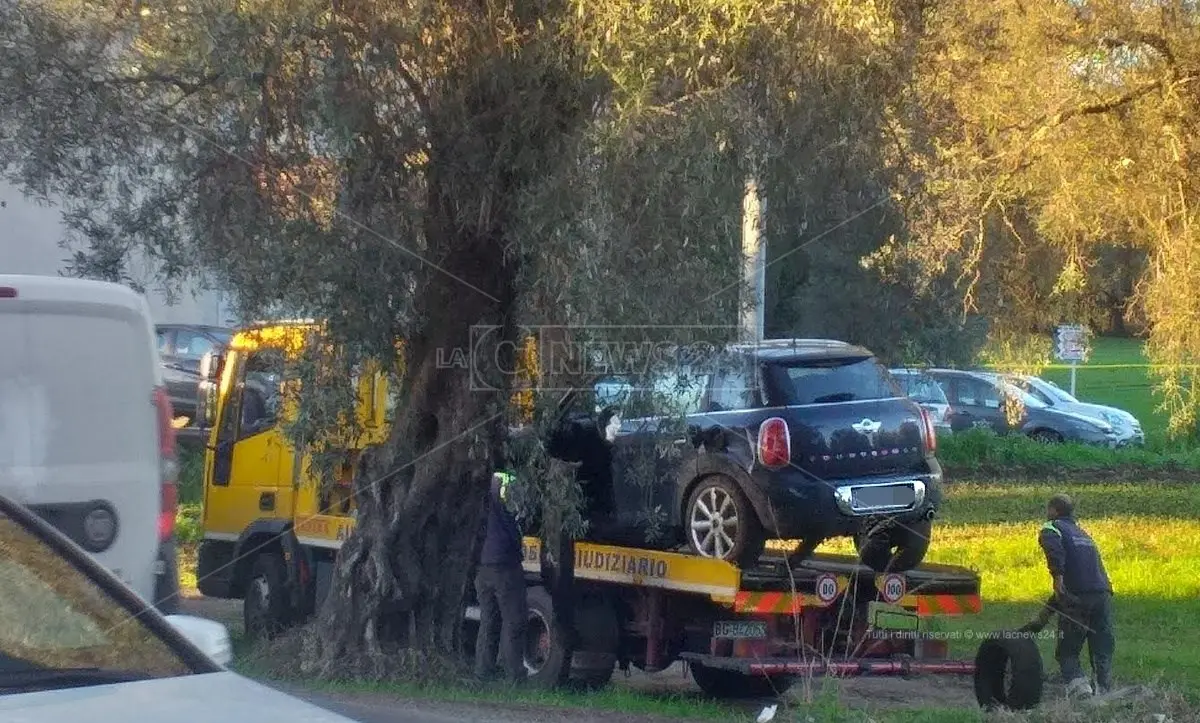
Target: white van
x,y
86,439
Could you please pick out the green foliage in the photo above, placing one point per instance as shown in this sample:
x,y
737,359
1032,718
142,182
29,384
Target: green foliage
x,y
191,476
973,451
188,528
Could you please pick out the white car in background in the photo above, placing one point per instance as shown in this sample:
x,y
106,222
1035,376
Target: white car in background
x,y
1127,426
76,644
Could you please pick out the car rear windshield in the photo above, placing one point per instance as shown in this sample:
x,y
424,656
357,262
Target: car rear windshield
x,y
830,381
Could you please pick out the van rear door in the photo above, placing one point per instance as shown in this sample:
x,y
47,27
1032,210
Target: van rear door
x,y
78,428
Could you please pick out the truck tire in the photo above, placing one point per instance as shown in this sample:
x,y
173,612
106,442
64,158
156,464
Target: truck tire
x,y
599,637
265,609
1008,673
899,549
547,659
718,683
718,513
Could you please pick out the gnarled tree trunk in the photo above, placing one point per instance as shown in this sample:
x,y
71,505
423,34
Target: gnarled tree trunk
x,y
402,575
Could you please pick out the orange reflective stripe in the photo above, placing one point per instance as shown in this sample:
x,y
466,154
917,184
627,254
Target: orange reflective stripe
x,y
949,604
768,602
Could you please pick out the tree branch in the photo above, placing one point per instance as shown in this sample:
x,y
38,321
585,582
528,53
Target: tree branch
x,y
185,86
1137,37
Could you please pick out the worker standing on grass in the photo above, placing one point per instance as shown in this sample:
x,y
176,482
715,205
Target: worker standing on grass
x,y
1082,598
500,586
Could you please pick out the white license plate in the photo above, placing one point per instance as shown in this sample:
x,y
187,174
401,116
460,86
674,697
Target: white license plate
x,y
739,629
886,496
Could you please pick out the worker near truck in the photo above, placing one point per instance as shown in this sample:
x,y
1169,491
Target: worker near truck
x,y
1082,598
500,587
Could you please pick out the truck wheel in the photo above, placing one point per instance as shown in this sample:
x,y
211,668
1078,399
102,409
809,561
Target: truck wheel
x,y
1008,673
599,630
899,549
546,657
265,610
721,523
718,683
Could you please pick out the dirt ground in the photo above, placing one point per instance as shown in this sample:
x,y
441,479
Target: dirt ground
x,y
870,693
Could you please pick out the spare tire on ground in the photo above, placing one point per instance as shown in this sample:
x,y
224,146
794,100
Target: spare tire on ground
x,y
1008,672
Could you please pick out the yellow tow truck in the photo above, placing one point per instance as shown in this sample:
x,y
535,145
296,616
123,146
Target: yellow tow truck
x,y
271,539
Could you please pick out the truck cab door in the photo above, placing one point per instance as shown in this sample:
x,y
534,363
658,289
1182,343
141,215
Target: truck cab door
x,y
248,447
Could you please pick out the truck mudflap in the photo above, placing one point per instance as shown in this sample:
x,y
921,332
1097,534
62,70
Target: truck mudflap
x,y
818,667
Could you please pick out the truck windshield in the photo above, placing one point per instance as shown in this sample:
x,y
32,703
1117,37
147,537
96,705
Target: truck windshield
x,y
829,381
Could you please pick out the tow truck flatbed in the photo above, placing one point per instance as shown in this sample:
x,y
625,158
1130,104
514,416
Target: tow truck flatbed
x,y
771,587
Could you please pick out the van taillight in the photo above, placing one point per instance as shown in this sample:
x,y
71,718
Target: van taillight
x,y
168,458
7,292
774,443
930,431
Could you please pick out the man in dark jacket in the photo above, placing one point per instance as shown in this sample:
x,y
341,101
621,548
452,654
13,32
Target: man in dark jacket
x,y
500,587
1082,598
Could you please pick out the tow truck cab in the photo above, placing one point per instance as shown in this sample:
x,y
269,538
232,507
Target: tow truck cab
x,y
263,505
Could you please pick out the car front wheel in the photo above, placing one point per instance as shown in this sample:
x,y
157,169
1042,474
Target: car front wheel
x,y
720,522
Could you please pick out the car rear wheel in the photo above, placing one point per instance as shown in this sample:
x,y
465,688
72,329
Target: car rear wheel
x,y
720,522
1046,436
899,548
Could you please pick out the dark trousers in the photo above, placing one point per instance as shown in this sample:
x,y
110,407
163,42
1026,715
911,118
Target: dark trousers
x,y
503,616
1086,619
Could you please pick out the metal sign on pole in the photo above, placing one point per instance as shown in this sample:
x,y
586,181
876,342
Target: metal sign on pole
x,y
1071,346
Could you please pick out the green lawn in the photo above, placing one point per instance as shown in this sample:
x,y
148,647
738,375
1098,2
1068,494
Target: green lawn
x,y
1117,374
1149,535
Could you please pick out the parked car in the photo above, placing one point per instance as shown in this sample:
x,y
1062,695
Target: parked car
x,y
181,347
924,390
796,439
988,401
1129,428
77,644
85,438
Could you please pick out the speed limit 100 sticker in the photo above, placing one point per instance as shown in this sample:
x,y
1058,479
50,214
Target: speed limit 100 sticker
x,y
892,588
827,588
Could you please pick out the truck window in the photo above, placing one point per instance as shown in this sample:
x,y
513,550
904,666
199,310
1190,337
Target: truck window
x,y
261,392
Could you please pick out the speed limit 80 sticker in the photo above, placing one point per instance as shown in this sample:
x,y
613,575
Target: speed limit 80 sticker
x,y
827,588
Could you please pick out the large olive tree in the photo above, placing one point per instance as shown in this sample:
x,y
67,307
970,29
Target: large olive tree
x,y
447,173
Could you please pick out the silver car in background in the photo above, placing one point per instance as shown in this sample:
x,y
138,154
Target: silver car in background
x,y
1127,426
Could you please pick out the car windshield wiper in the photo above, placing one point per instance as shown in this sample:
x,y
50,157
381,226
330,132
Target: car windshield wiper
x,y
42,678
839,397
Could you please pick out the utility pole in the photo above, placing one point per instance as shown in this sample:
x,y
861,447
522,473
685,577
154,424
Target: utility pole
x,y
754,264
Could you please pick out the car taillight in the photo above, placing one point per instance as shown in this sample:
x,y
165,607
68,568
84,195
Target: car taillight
x,y
774,443
7,292
930,431
168,458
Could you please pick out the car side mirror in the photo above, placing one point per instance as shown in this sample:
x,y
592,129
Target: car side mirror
x,y
210,365
211,638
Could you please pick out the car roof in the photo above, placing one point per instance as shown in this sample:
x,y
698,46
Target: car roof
x,y
788,349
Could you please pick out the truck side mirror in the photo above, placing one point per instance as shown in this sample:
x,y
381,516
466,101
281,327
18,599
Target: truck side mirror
x,y
206,403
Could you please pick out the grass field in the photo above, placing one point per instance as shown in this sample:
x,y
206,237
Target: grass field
x,y
1149,535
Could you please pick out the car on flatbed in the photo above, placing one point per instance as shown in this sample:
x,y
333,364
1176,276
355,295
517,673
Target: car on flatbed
x,y
798,439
